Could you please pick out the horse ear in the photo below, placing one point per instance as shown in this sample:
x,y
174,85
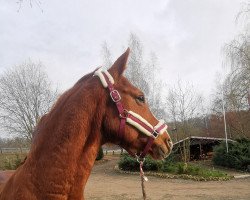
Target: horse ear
x,y
117,69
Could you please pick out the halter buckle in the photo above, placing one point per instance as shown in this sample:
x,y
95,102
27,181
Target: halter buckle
x,y
115,96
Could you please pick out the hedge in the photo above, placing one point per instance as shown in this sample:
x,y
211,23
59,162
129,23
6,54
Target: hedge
x,y
100,154
238,155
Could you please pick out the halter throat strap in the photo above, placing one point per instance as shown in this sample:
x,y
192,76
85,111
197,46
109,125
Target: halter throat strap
x,y
130,117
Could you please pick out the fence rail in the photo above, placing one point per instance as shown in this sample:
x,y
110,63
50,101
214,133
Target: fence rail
x,y
14,150
26,150
114,152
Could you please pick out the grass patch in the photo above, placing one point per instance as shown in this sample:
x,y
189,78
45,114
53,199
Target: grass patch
x,y
191,169
196,170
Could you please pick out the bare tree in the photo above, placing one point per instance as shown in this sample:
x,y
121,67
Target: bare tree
x,y
155,92
237,56
183,106
237,83
186,105
106,55
172,109
37,3
236,86
235,104
244,14
26,95
136,70
143,74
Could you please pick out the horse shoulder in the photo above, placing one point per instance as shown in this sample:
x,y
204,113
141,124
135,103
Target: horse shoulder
x,y
5,175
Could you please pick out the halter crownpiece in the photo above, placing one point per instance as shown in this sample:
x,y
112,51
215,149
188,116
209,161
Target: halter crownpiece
x,y
130,117
100,74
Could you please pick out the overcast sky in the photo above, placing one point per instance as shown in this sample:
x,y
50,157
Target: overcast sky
x,y
186,35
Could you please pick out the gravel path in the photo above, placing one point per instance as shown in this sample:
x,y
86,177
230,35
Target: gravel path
x,y
107,184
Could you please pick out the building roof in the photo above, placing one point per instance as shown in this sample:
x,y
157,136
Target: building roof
x,y
204,140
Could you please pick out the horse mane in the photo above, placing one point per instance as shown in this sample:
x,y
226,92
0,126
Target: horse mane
x,y
58,105
62,101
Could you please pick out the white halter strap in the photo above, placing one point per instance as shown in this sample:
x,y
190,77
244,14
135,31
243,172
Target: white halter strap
x,y
100,72
143,129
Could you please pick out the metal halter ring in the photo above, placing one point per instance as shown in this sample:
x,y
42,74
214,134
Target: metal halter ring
x,y
124,114
155,134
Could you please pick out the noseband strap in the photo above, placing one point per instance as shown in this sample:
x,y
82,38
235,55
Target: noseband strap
x,y
130,117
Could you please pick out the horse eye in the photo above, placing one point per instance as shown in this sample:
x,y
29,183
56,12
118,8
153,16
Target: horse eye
x,y
141,99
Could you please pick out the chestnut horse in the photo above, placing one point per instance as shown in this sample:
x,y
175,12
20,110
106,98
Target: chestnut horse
x,y
68,138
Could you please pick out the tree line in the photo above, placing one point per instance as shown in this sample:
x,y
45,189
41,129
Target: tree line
x,y
234,89
26,95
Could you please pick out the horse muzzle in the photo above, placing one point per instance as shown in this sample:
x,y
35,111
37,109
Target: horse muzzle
x,y
162,147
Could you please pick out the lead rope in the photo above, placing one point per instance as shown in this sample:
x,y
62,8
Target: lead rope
x,y
143,177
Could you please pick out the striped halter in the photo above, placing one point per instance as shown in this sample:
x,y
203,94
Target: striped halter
x,y
130,117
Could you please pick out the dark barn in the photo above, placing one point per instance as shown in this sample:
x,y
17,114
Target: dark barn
x,y
198,148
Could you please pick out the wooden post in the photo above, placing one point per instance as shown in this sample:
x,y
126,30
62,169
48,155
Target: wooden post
x,y
200,150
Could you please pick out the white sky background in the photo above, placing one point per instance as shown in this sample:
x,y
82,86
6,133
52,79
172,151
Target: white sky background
x,y
186,35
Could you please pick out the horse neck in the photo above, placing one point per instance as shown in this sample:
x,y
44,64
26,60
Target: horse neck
x,y
66,145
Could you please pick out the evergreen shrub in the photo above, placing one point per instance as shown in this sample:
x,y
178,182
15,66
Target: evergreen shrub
x,y
100,154
238,155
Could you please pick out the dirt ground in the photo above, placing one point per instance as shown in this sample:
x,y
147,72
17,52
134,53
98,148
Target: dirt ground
x,y
107,184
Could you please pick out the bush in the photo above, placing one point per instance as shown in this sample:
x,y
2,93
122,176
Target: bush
x,y
7,164
152,165
127,163
169,165
13,163
196,170
17,161
182,168
238,155
100,154
169,168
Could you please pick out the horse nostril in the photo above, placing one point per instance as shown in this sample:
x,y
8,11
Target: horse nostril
x,y
169,142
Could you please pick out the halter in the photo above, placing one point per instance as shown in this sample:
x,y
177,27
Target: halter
x,y
130,117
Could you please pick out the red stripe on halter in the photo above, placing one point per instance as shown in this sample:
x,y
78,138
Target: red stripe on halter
x,y
116,98
161,127
141,123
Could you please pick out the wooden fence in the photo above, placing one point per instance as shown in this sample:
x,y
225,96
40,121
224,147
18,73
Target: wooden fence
x,y
14,150
26,150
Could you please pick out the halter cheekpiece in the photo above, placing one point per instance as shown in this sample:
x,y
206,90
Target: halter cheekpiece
x,y
130,117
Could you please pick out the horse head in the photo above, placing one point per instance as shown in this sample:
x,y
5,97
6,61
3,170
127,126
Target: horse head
x,y
128,120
